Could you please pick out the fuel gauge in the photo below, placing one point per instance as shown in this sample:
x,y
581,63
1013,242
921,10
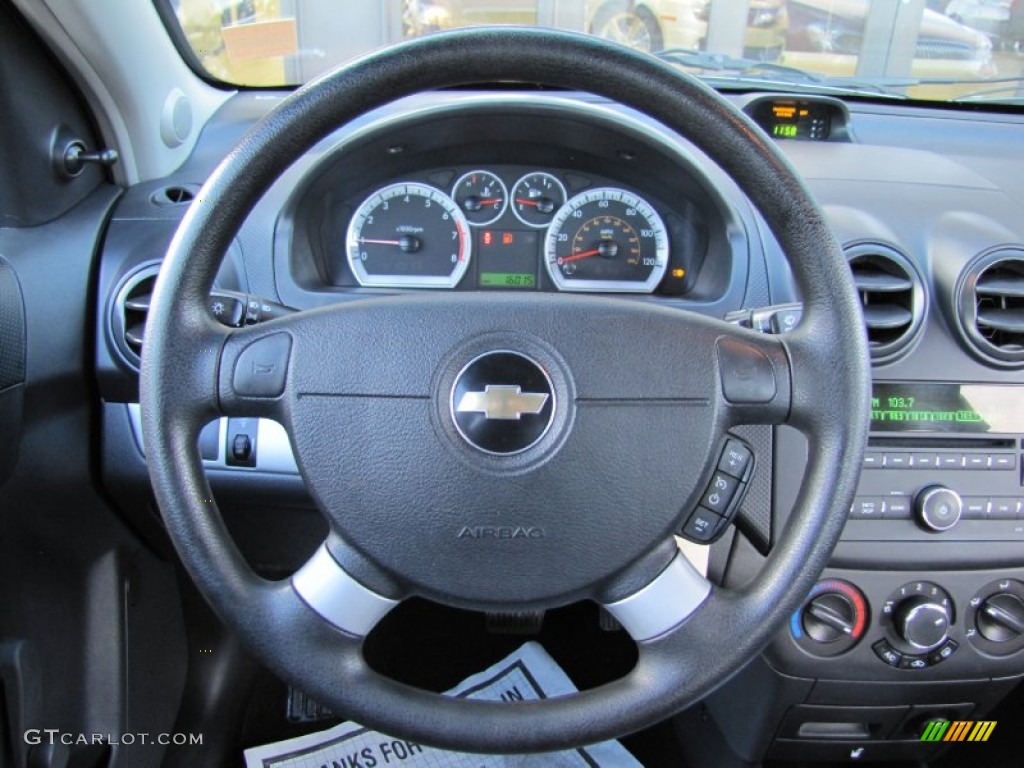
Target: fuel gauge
x,y
536,197
481,195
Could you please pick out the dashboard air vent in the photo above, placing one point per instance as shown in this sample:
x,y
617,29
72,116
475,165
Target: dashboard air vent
x,y
990,306
131,307
892,297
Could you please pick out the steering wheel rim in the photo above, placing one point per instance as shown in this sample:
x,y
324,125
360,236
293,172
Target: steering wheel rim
x,y
821,368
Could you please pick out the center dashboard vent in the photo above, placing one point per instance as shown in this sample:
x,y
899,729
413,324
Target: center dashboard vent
x,y
990,306
892,297
129,312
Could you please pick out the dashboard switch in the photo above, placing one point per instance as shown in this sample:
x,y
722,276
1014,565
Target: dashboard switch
x,y
241,442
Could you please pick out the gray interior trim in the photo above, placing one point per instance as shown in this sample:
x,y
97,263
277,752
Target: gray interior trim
x,y
274,449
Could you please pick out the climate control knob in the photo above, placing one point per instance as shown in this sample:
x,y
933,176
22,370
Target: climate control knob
x,y
1000,618
938,508
922,623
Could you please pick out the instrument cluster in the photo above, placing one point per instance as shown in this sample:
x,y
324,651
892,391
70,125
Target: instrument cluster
x,y
514,229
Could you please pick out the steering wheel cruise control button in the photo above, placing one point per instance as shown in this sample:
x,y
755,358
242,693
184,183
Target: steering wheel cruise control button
x,y
719,493
747,374
261,369
735,459
702,525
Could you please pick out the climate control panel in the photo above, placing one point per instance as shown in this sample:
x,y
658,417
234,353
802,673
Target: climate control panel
x,y
884,626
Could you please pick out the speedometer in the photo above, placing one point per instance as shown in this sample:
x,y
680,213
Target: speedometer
x,y
408,235
607,239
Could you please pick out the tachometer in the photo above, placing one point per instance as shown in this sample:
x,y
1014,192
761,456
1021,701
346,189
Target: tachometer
x,y
606,239
408,235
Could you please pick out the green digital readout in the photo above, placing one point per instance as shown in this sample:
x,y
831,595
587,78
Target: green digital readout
x,y
507,280
935,407
785,130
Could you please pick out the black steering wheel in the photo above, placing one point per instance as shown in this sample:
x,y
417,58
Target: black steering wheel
x,y
367,390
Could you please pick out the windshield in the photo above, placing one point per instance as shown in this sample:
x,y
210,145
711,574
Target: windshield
x,y
954,50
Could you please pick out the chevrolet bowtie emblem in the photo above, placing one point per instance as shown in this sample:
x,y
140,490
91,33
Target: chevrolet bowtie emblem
x,y
502,401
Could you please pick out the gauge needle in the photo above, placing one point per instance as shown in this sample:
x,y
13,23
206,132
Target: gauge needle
x,y
524,201
578,256
490,201
379,242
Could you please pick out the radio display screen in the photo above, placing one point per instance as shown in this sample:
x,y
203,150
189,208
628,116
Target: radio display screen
x,y
955,408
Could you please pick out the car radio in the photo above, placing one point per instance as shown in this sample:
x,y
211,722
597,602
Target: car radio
x,y
942,459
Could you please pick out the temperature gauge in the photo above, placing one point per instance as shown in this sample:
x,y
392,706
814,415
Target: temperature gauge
x,y
481,196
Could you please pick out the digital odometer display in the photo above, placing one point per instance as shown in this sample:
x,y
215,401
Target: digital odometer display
x,y
507,258
962,408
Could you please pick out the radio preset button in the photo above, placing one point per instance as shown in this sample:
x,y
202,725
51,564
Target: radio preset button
x,y
1002,461
873,460
951,461
897,460
923,460
976,461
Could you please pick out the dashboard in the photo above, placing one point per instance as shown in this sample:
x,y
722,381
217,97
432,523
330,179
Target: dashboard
x,y
513,193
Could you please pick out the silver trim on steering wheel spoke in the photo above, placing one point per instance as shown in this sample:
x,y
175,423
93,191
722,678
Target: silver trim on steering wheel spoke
x,y
339,599
665,603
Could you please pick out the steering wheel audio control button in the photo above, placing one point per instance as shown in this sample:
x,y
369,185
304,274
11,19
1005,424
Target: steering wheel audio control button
x,y
261,369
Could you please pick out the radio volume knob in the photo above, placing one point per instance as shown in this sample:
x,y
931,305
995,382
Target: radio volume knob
x,y
938,508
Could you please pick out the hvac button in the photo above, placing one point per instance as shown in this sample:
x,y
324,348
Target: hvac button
x,y
944,652
887,653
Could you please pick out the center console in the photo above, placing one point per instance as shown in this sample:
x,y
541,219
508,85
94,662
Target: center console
x,y
920,617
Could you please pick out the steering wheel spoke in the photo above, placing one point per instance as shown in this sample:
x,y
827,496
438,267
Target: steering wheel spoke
x,y
337,596
664,602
